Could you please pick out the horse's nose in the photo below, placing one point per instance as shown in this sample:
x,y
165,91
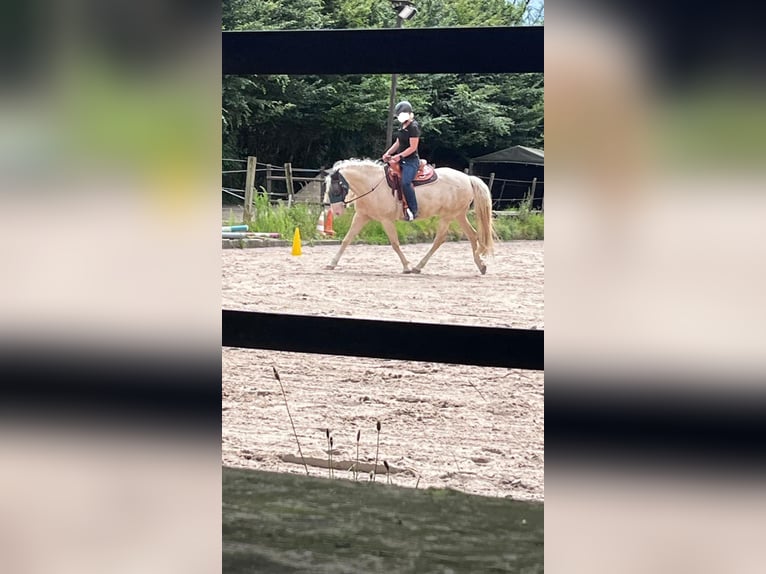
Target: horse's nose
x,y
338,208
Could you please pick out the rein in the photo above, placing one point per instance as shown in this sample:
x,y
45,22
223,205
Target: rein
x,y
367,193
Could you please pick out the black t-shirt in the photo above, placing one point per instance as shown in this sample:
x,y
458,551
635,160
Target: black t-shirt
x,y
404,135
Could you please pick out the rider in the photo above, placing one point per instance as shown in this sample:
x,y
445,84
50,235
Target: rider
x,y
406,144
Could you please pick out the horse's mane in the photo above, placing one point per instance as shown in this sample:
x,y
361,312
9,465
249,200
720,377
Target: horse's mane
x,y
355,161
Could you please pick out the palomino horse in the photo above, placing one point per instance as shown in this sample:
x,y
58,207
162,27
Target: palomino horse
x,y
363,183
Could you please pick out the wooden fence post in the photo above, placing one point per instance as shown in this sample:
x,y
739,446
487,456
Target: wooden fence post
x,y
532,193
289,182
491,182
247,217
268,179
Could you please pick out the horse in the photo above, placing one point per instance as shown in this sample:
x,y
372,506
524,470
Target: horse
x,y
364,185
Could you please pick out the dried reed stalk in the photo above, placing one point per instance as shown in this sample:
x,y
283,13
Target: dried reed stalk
x,y
276,376
377,448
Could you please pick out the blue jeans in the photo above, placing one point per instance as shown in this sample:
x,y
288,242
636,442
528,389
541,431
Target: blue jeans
x,y
410,167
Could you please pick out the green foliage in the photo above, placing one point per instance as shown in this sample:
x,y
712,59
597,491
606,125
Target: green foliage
x,y
273,14
312,121
474,114
278,218
523,224
509,228
440,13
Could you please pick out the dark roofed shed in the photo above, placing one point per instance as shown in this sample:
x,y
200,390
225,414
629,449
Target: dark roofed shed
x,y
515,169
514,154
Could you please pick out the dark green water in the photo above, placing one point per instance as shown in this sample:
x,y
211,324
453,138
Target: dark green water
x,y
290,523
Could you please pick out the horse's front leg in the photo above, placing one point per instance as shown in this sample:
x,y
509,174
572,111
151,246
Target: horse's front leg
x,y
393,238
357,223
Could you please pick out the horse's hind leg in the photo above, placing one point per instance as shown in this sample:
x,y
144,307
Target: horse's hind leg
x,y
390,229
441,235
473,238
356,226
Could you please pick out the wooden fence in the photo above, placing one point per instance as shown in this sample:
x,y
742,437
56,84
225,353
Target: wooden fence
x,y
316,187
275,173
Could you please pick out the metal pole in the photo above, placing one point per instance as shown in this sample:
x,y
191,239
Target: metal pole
x,y
390,124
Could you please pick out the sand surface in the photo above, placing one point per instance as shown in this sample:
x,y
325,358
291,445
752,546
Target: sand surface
x,y
475,429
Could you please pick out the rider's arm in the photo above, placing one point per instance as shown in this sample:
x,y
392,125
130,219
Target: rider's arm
x,y
410,150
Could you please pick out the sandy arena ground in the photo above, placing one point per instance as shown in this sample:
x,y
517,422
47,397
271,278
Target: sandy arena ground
x,y
475,429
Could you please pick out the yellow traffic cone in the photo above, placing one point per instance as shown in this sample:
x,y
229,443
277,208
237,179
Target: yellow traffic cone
x,y
297,242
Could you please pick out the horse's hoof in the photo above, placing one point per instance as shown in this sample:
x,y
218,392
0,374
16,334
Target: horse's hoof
x,y
407,271
416,270
329,267
483,269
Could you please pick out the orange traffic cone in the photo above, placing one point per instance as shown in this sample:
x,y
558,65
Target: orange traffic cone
x,y
328,230
297,242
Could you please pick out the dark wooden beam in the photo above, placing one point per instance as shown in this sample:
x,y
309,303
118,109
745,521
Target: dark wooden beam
x,y
418,50
459,344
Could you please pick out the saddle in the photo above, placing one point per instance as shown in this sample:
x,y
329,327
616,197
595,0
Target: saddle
x,y
426,174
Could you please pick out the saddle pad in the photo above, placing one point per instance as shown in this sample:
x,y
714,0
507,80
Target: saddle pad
x,y
426,175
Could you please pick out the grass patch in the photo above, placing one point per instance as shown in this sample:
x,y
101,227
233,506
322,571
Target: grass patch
x,y
529,226
289,523
278,217
523,223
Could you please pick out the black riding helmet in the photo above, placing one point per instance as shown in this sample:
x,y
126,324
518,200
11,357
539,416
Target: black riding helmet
x,y
403,106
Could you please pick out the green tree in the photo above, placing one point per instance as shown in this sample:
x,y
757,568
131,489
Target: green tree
x,y
313,121
273,14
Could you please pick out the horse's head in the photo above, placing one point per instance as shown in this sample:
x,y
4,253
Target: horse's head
x,y
336,190
350,180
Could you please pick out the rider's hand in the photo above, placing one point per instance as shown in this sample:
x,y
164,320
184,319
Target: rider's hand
x,y
386,157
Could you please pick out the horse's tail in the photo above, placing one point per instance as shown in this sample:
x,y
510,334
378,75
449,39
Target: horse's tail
x,y
482,204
